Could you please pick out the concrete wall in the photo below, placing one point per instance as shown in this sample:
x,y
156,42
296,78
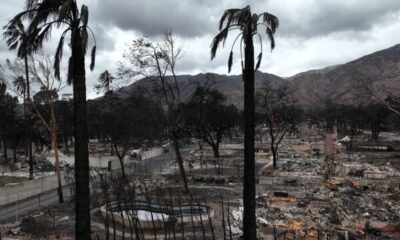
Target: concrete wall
x,y
154,152
26,189
102,161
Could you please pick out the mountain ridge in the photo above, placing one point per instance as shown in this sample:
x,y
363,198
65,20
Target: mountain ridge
x,y
343,83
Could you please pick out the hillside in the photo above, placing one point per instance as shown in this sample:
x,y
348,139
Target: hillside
x,y
341,83
346,83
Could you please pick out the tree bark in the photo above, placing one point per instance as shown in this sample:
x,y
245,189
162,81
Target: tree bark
x,y
180,162
5,149
215,148
28,120
56,155
274,155
25,128
249,180
82,207
15,151
272,137
120,158
58,170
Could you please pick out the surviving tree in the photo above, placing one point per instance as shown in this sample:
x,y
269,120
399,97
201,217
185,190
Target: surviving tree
x,y
16,36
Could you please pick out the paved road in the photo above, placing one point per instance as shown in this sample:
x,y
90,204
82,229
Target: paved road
x,y
13,212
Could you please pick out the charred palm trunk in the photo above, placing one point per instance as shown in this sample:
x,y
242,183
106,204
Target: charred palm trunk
x,y
82,208
25,127
28,121
249,180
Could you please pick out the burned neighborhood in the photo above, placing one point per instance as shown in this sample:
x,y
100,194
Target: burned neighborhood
x,y
199,120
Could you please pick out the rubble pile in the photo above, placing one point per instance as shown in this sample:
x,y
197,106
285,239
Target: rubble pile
x,y
297,201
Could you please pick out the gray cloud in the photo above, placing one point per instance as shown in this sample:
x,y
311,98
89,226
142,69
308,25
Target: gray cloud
x,y
308,19
312,33
104,38
186,18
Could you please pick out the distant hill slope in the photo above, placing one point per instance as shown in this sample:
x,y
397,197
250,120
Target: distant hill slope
x,y
340,83
346,83
230,85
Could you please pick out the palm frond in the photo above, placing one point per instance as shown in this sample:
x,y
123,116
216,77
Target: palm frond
x,y
228,15
271,38
254,21
271,21
244,15
84,15
64,10
220,37
70,71
93,58
84,36
247,23
57,57
258,61
230,61
42,36
15,36
20,85
13,46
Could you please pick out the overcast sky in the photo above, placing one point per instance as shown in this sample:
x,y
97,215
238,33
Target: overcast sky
x,y
312,33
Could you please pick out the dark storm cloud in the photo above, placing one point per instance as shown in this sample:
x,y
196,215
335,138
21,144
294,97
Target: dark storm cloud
x,y
186,18
309,36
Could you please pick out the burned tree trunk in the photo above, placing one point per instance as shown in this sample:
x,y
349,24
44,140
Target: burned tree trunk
x,y
180,161
249,179
121,160
82,208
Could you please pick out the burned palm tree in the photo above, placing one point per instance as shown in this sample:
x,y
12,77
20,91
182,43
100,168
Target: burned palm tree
x,y
42,16
16,37
20,85
105,81
247,24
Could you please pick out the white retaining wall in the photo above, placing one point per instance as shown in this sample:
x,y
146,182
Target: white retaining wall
x,y
26,189
154,152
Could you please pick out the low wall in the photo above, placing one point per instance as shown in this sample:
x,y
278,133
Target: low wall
x,y
154,152
26,189
102,161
